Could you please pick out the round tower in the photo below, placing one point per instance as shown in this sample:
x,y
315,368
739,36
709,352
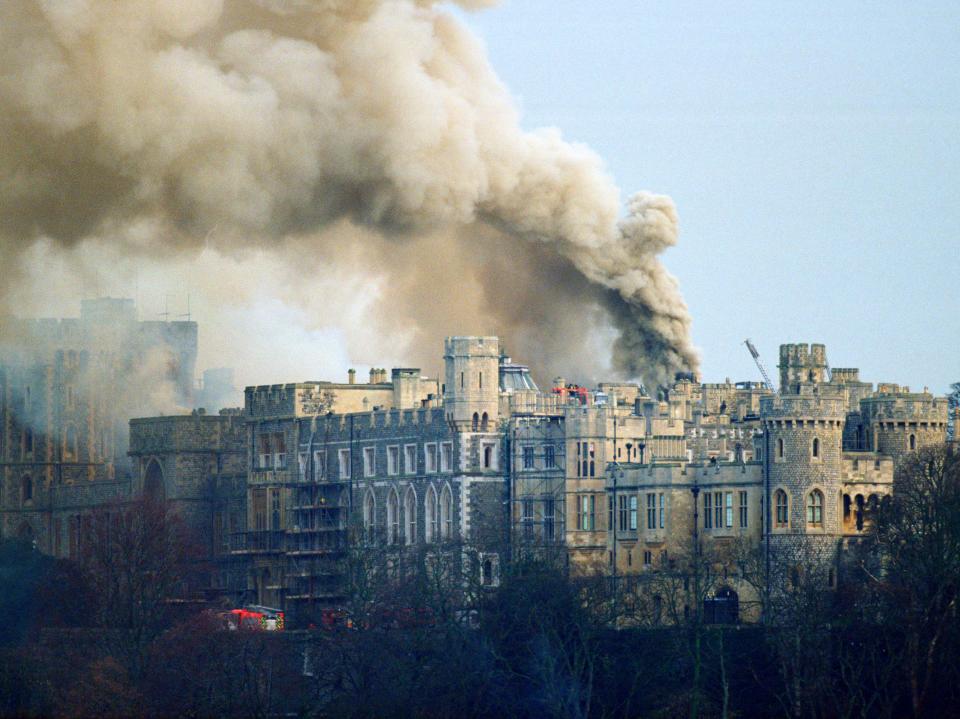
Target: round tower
x,y
471,390
803,435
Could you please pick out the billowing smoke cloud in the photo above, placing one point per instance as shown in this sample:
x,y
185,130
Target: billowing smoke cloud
x,y
357,137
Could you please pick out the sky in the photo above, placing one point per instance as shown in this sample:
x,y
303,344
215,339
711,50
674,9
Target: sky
x,y
812,149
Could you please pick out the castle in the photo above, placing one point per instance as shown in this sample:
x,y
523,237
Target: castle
x,y
612,480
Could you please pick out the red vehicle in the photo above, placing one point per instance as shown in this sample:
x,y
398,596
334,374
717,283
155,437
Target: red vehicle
x,y
254,617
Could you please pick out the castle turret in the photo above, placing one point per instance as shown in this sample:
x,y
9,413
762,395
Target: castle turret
x,y
803,454
472,387
896,421
802,363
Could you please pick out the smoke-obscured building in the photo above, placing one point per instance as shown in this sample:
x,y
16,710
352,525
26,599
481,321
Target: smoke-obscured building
x,y
67,390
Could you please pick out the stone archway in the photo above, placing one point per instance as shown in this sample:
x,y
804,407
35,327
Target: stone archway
x,y
153,484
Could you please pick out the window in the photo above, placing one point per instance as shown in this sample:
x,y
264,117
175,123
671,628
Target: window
x,y
718,510
279,445
430,457
475,424
661,510
343,461
369,461
26,489
780,500
585,512
816,448
528,457
410,459
302,461
526,518
370,515
71,447
275,510
779,448
622,512
488,457
549,457
647,558
410,513
393,517
913,442
651,511
393,460
446,513
592,462
480,381
446,457
432,526
815,508
259,509
743,510
28,440
319,465
707,511
633,512
549,511
728,505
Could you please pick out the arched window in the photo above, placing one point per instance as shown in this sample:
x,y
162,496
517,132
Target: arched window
x,y
393,517
488,457
816,447
70,444
780,501
431,528
370,515
26,490
476,422
780,448
487,573
410,514
815,508
484,422
446,513
913,442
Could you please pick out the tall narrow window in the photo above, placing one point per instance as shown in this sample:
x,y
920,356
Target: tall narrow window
x,y
319,465
393,517
622,513
549,457
410,459
526,519
26,489
432,526
651,510
480,381
393,460
369,461
633,512
446,513
707,511
728,506
815,508
587,507
913,442
370,515
410,513
816,448
662,510
780,501
779,448
718,510
743,510
343,460
549,510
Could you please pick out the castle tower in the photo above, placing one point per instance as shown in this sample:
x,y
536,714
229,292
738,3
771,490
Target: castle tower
x,y
471,392
803,435
897,421
801,363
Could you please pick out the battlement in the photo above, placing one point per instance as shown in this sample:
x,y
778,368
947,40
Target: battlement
x,y
811,402
801,363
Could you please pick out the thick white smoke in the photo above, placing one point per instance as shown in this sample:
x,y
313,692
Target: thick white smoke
x,y
162,124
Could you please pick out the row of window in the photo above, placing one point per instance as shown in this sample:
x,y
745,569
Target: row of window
x,y
718,510
528,519
438,515
437,457
549,457
814,514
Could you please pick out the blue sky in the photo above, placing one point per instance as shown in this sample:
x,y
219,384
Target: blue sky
x,y
812,149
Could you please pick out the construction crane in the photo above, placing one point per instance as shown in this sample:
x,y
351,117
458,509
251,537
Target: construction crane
x,y
756,359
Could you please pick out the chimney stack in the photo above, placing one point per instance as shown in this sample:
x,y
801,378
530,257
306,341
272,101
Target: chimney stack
x,y
351,376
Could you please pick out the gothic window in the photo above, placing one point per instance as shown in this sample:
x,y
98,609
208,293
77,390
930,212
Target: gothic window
x,y
26,490
780,501
815,508
476,422
779,448
913,442
484,422
410,514
488,456
446,513
370,515
431,528
393,517
816,448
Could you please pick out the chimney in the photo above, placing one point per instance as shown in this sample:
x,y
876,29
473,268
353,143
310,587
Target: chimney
x,y
351,376
373,375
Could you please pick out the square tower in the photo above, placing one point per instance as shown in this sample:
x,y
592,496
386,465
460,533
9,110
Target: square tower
x,y
471,391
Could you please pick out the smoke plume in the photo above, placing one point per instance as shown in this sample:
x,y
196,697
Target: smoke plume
x,y
355,138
